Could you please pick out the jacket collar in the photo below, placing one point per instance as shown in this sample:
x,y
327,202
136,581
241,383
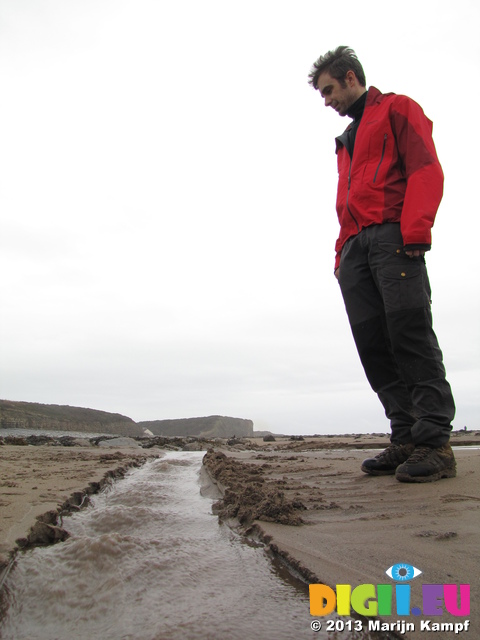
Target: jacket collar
x,y
373,96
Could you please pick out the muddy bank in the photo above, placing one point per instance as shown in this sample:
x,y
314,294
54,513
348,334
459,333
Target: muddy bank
x,y
247,495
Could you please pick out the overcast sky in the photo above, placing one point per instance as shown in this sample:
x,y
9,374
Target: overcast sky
x,y
167,192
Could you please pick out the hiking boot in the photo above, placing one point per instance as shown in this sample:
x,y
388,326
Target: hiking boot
x,y
427,464
386,462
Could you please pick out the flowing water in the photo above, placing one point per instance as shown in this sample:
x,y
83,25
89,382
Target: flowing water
x,y
149,561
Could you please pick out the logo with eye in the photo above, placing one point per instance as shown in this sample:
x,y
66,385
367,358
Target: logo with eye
x,y
402,572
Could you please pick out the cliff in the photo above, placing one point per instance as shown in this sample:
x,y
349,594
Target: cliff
x,y
54,417
209,427
30,415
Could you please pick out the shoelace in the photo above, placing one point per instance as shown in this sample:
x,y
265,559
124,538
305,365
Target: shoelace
x,y
390,452
420,454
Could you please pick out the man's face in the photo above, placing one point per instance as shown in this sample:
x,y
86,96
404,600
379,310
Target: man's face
x,y
338,97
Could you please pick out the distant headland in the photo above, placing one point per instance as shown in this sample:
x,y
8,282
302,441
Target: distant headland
x,y
32,415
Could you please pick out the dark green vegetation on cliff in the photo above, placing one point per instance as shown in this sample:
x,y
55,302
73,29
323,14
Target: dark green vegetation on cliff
x,y
31,415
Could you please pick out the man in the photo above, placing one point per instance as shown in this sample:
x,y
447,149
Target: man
x,y
389,188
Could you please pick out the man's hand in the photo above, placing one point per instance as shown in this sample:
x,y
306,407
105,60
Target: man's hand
x,y
337,272
415,253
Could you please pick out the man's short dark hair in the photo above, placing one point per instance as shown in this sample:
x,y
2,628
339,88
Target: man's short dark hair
x,y
337,63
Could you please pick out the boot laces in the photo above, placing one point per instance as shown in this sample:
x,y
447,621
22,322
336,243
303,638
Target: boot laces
x,y
391,452
420,454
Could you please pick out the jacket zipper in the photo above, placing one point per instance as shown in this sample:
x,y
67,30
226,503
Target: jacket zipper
x,y
381,158
348,195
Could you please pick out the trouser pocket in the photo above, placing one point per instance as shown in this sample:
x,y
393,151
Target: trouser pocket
x,y
404,286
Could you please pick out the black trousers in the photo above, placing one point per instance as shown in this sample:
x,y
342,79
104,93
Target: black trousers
x,y
387,298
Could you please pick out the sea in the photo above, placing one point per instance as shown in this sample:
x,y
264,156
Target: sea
x,y
147,560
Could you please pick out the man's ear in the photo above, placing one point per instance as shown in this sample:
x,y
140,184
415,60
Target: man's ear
x,y
350,78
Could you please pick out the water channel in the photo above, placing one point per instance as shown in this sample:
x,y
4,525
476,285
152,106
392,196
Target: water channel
x,y
148,561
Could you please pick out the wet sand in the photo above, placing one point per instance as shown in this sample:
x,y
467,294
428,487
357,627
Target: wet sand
x,y
41,481
307,499
337,525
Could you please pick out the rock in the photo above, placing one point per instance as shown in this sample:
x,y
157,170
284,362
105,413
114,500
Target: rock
x,y
40,439
81,442
16,440
4,560
43,533
194,446
119,442
70,441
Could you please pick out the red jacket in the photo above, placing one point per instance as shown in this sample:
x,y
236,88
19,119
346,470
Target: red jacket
x,y
395,175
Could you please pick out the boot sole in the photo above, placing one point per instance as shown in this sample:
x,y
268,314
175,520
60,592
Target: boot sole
x,y
372,472
445,473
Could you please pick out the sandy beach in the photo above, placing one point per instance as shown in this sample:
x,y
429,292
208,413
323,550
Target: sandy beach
x,y
337,525
307,499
